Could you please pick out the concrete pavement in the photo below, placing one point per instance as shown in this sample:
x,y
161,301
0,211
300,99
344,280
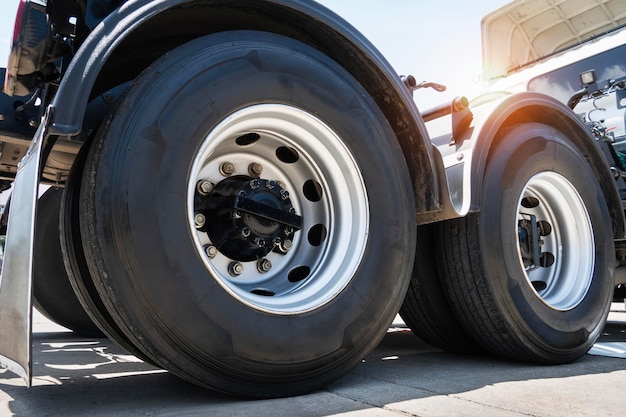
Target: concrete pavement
x,y
77,376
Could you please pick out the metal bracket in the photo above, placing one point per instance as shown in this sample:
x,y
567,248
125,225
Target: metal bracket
x,y
462,116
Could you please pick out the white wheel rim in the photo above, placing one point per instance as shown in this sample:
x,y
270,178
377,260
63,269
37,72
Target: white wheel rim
x,y
323,265
561,282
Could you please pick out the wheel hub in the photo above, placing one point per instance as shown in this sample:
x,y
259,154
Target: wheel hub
x,y
249,217
530,232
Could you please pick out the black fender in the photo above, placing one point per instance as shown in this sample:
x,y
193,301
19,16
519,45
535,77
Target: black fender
x,y
465,158
148,29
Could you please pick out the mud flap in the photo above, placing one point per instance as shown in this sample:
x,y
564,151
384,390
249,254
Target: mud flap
x,y
17,270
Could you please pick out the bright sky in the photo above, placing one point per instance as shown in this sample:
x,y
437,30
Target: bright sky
x,y
434,40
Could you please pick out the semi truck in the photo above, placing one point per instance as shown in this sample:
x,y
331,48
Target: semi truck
x,y
244,193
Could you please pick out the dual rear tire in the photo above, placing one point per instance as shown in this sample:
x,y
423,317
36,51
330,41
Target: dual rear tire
x,y
234,220
53,294
530,276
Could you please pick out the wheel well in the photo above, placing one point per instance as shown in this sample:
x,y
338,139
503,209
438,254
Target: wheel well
x,y
175,26
180,24
563,122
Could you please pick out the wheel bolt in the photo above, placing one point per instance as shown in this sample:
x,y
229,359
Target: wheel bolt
x,y
270,184
211,251
204,187
200,220
254,184
284,194
227,169
264,265
235,269
255,169
245,232
259,242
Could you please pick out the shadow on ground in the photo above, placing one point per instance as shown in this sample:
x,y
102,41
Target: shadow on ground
x,y
86,376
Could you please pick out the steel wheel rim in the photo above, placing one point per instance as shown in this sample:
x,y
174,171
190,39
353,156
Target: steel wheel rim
x,y
562,282
334,208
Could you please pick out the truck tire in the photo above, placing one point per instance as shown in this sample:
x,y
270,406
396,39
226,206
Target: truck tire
x,y
426,308
539,192
248,217
73,257
53,295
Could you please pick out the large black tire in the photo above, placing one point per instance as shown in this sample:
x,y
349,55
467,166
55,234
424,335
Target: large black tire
x,y
73,257
53,295
179,268
550,308
426,308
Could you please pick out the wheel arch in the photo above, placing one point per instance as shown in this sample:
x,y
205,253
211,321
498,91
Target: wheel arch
x,y
139,32
539,108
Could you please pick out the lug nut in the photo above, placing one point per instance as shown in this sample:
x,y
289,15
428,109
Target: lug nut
x,y
255,169
264,265
259,242
285,246
200,220
270,184
284,194
245,232
235,269
254,184
211,251
227,169
204,187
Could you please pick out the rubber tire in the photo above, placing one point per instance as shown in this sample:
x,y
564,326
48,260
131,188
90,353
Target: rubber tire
x,y
426,308
73,258
483,272
53,295
136,232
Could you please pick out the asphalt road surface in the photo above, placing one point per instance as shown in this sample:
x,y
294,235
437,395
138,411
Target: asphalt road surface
x,y
75,376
